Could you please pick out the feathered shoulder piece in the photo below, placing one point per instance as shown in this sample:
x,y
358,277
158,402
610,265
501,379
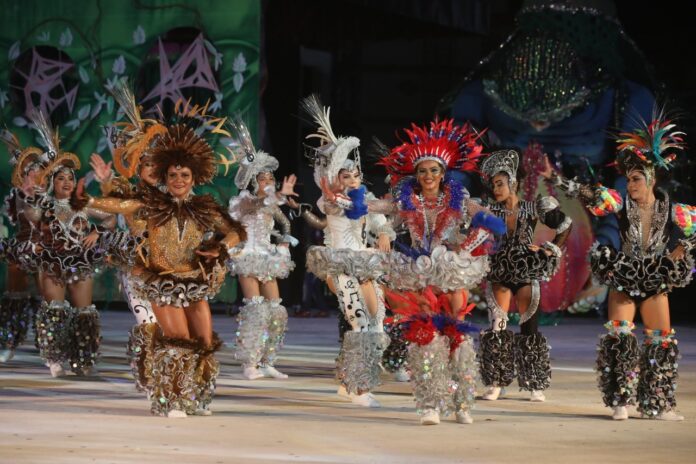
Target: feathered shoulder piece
x,y
333,153
21,159
53,158
453,146
651,145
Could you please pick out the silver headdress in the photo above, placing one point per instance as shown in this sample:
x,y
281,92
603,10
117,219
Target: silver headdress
x,y
506,161
251,162
334,153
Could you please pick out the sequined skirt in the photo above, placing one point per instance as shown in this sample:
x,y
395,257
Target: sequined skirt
x,y
520,265
178,289
20,253
364,265
274,263
640,277
443,269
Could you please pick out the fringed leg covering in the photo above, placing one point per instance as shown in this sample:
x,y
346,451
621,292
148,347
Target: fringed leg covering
x,y
277,324
207,372
395,355
53,321
658,373
252,331
464,373
34,304
173,376
496,357
532,362
85,339
15,318
430,375
359,363
141,347
617,364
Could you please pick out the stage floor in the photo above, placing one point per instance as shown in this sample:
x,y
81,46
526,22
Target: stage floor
x,y
104,420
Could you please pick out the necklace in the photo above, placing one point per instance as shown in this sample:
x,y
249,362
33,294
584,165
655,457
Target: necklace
x,y
432,202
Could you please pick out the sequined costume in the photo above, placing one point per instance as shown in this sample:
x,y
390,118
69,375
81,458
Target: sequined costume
x,y
640,269
262,321
17,306
442,258
177,374
514,266
346,259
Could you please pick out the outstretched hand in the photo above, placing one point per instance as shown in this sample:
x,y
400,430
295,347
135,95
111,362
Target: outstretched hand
x,y
288,188
102,170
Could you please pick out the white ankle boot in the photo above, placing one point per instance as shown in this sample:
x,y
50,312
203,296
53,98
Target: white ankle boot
x,y
492,393
430,417
6,355
270,371
176,414
537,396
463,417
56,370
252,373
366,400
402,375
203,412
342,392
620,413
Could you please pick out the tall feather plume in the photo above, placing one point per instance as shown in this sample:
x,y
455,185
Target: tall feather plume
x,y
243,136
650,142
49,137
123,95
320,114
12,143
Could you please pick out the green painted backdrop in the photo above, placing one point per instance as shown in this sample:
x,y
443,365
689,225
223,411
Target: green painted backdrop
x,y
106,40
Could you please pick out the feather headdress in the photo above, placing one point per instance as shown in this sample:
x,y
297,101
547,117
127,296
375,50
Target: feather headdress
x,y
53,158
133,138
21,159
454,147
651,145
334,153
251,161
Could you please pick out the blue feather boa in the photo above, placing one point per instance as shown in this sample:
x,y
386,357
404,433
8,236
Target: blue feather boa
x,y
359,208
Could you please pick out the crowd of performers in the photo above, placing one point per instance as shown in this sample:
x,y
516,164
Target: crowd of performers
x,y
418,251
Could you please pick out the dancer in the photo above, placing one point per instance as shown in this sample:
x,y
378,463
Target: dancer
x,y
17,305
434,274
345,262
130,144
184,267
657,237
517,267
257,262
70,250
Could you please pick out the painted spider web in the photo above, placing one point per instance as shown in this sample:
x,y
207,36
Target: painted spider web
x,y
179,76
44,76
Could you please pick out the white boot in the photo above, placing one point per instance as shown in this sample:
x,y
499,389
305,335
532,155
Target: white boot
x,y
537,396
669,416
252,373
620,413
463,417
56,370
90,371
342,392
402,375
270,371
176,414
491,394
203,412
366,400
430,417
6,355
